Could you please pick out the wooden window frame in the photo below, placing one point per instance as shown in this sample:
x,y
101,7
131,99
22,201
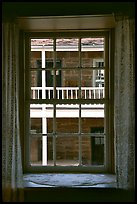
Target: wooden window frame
x,y
109,155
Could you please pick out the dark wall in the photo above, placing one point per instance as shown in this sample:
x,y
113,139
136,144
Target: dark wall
x,y
13,9
78,195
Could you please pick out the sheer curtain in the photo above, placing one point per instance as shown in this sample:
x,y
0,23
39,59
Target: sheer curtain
x,y
124,103
12,182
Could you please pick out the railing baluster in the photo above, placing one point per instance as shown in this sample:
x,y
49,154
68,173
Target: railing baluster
x,y
33,94
38,92
71,94
58,91
94,94
88,92
99,93
62,94
67,93
49,93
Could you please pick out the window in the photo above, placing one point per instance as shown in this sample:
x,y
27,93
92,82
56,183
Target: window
x,y
67,101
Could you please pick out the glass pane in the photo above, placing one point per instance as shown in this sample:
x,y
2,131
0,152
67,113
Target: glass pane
x,y
67,111
42,43
36,78
35,59
67,125
67,52
36,150
41,50
67,151
41,151
91,116
92,48
69,86
92,84
36,125
41,117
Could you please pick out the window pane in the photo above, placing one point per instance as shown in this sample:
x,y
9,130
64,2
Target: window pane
x,y
36,150
91,48
36,125
69,86
67,52
92,115
41,150
92,84
67,111
67,125
41,50
67,151
41,116
35,59
36,78
88,123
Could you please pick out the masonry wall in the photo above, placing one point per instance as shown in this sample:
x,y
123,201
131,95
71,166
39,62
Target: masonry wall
x,y
67,147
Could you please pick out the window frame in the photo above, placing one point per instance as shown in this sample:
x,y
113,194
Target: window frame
x,y
108,166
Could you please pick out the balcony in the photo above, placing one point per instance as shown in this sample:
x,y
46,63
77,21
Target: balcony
x,y
67,92
67,110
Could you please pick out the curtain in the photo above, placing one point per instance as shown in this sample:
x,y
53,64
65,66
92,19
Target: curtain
x,y
124,102
12,176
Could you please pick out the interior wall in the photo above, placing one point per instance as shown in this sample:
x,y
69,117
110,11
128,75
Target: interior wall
x,y
11,10
17,9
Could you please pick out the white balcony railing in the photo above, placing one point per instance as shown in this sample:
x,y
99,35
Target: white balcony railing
x,y
67,92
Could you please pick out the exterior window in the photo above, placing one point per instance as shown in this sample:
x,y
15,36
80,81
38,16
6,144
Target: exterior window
x,y
67,101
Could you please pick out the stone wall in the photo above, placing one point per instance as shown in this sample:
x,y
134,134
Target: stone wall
x,y
67,147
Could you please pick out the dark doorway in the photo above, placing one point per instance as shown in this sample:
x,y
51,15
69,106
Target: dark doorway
x,y
97,146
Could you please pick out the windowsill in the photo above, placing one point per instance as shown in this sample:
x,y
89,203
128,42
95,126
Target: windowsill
x,y
61,187
48,180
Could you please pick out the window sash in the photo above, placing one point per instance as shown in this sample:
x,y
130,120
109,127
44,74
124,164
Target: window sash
x,y
79,101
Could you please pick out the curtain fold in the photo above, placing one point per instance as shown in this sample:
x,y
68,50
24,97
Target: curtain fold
x,y
12,176
124,102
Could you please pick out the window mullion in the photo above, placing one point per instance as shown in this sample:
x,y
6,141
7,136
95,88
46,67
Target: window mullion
x,y
44,120
80,139
106,110
54,105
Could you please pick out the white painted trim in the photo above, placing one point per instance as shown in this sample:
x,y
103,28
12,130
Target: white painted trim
x,y
66,113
